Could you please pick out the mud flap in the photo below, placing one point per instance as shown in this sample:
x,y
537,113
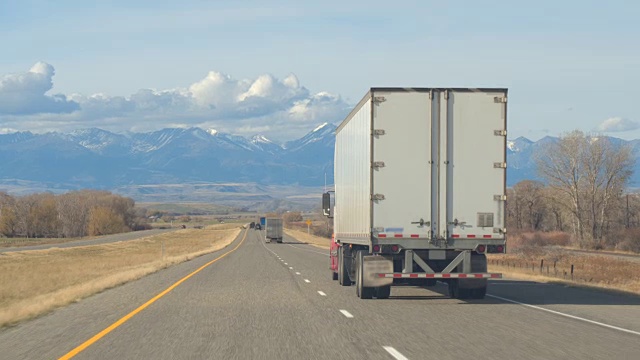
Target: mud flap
x,y
373,265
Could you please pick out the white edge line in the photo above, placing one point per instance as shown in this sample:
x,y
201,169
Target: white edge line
x,y
346,313
286,264
395,353
297,272
321,293
307,250
566,315
290,267
307,280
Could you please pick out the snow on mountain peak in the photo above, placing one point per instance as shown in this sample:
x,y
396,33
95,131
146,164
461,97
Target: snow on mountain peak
x,y
261,139
212,132
512,146
320,127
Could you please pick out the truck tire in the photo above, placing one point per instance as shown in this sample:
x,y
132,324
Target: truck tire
x,y
361,291
279,241
334,275
343,272
383,292
471,288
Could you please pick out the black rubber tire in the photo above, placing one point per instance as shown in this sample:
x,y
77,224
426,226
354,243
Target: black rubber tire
x,y
334,275
383,292
361,291
279,241
453,289
343,274
462,289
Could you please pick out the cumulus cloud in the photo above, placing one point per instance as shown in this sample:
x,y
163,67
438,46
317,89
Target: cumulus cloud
x,y
282,108
618,124
26,93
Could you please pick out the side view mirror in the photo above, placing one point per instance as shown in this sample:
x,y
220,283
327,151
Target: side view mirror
x,y
326,204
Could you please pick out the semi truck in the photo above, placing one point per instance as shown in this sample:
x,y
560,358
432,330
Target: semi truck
x,y
274,230
420,190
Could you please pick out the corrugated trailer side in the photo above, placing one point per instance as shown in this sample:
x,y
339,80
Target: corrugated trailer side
x,y
353,179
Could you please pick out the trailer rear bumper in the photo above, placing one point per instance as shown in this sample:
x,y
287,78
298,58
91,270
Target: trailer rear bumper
x,y
440,276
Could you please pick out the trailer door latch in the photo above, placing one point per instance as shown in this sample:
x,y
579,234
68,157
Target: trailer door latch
x,y
422,223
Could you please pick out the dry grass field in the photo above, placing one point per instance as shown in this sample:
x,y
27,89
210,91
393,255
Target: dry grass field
x,y
34,282
588,270
317,241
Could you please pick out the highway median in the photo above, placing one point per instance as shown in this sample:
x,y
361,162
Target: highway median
x,y
36,282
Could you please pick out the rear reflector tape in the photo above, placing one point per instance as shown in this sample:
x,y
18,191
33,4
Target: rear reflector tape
x,y
415,235
382,235
398,235
441,276
455,235
471,236
486,236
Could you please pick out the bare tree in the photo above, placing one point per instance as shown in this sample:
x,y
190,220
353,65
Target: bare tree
x,y
589,173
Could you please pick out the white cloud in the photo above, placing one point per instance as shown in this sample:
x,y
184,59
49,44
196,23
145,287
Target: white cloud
x,y
281,109
618,124
25,93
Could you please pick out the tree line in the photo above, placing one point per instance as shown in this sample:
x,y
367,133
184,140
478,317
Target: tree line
x,y
584,192
69,215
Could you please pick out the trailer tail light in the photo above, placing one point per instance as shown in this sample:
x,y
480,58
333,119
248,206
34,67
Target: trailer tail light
x,y
495,249
395,248
480,249
376,248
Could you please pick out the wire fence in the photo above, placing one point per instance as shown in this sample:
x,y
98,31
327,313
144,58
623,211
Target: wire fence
x,y
542,267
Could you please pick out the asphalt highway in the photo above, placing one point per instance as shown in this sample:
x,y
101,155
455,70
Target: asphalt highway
x,y
254,300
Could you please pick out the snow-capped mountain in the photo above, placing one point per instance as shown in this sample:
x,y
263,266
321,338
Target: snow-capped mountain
x,y
100,159
97,158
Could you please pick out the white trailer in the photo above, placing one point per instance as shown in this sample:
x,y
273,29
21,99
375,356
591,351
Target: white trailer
x,y
274,229
420,189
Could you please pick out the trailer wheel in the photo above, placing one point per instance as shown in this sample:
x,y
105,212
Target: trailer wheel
x,y
279,241
383,292
361,291
334,275
343,274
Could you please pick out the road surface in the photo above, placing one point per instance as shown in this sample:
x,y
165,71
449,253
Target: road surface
x,y
277,301
100,240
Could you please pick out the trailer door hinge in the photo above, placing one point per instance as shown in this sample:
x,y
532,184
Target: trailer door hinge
x,y
377,197
379,99
500,165
499,230
377,164
500,132
500,99
500,197
378,132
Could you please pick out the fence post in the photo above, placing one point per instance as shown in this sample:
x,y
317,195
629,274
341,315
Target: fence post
x,y
541,265
571,271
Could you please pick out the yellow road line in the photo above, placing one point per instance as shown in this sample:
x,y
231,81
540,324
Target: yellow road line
x,y
125,318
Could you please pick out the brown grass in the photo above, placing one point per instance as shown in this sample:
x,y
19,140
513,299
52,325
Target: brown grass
x,y
35,282
589,270
317,241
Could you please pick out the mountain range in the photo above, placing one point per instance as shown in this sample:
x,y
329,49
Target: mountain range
x,y
139,164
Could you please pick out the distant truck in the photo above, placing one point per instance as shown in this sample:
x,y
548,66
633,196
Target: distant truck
x,y
274,230
419,190
263,221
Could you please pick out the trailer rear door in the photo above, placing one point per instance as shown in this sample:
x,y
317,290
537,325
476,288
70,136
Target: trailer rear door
x,y
401,163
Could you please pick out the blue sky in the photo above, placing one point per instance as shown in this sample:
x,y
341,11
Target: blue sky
x,y
567,64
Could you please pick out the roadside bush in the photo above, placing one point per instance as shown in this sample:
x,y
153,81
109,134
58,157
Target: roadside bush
x,y
529,242
626,240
